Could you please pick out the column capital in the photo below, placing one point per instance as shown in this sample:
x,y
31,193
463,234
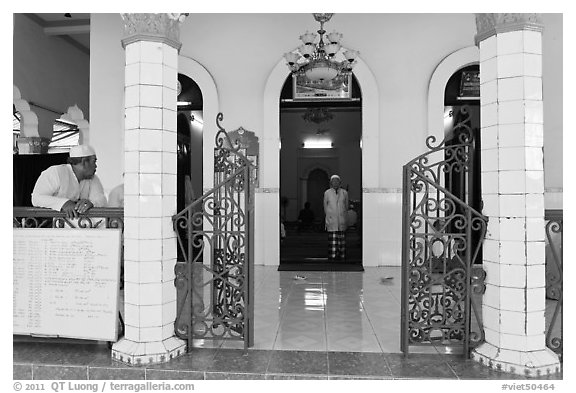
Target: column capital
x,y
161,27
488,25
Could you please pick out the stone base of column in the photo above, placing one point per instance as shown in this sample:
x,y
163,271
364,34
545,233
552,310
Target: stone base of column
x,y
530,364
137,353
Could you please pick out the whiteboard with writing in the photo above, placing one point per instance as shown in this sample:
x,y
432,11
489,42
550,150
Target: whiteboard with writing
x,y
66,282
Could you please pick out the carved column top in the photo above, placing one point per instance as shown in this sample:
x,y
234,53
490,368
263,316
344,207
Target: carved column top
x,y
488,25
153,27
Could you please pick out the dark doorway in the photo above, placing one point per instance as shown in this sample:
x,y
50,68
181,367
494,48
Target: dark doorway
x,y
462,106
318,182
189,158
319,138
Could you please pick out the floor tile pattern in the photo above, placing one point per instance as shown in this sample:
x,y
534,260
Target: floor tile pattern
x,y
222,363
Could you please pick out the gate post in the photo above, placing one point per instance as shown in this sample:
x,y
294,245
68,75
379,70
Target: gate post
x,y
513,195
151,44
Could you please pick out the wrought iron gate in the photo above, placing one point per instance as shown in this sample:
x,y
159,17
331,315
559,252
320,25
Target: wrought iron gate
x,y
214,273
441,239
555,280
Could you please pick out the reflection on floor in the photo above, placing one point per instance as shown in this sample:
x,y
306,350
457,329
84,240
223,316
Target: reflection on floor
x,y
334,311
326,311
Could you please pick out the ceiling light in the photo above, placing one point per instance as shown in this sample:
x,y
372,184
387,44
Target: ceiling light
x,y
318,144
317,61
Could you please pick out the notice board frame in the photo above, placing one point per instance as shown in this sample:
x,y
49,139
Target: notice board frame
x,y
111,239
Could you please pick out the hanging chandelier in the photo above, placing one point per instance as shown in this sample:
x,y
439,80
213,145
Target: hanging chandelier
x,y
316,61
317,115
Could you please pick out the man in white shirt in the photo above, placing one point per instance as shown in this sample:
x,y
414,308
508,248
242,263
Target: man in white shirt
x,y
72,188
336,207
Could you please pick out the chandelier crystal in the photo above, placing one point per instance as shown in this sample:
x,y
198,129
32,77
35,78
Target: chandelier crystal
x,y
317,60
317,115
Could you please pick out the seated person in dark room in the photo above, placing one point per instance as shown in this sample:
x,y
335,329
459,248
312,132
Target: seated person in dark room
x,y
305,218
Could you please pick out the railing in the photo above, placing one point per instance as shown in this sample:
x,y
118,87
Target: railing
x,y
38,217
554,280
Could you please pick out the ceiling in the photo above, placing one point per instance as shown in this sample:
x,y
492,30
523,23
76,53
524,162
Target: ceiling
x,y
72,27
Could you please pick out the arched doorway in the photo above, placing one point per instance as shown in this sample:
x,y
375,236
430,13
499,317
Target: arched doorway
x,y
189,140
189,136
319,138
267,200
462,105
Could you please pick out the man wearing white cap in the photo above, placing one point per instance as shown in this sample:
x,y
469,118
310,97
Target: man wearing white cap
x,y
72,188
335,208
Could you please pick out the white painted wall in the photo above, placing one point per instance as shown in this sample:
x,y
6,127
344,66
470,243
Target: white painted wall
x,y
401,50
552,83
49,71
107,96
402,67
241,51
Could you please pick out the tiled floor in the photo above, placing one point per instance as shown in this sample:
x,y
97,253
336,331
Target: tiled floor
x,y
81,361
327,311
330,325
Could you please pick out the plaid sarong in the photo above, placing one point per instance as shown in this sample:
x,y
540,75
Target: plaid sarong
x,y
336,245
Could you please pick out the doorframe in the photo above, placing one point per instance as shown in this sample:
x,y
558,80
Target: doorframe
x,y
210,108
440,76
267,198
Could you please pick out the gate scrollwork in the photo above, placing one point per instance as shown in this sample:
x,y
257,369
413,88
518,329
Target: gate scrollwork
x,y
214,278
442,237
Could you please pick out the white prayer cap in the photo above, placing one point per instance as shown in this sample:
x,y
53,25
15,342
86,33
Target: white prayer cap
x,y
82,151
334,177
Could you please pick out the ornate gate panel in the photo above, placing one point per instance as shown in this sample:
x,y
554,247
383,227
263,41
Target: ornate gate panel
x,y
554,280
441,239
214,277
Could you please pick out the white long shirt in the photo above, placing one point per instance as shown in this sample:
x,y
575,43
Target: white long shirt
x,y
58,184
335,208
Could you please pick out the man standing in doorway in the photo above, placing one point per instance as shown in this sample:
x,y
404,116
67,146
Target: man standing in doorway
x,y
335,208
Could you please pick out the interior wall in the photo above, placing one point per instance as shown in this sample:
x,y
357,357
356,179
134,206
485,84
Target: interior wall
x,y
409,48
402,83
552,84
402,68
107,61
50,72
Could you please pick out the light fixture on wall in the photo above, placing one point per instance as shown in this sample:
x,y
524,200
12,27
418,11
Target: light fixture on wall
x,y
317,61
318,144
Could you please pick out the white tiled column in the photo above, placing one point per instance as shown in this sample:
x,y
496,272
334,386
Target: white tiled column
x,y
150,191
513,195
